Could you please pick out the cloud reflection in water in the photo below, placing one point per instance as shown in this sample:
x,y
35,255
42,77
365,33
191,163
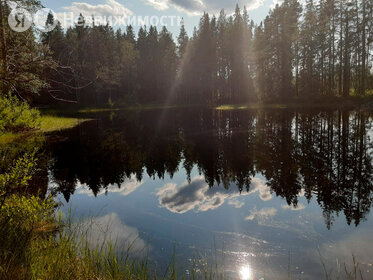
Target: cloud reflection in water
x,y
262,214
109,229
200,197
129,186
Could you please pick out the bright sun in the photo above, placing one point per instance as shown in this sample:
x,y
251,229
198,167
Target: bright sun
x,y
245,272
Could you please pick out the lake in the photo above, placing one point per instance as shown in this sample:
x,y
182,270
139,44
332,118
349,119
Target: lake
x,y
265,194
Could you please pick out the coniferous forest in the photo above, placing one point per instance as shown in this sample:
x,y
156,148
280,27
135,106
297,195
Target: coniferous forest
x,y
324,48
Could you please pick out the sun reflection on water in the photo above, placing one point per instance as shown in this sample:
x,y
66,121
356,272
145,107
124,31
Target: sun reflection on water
x,y
246,273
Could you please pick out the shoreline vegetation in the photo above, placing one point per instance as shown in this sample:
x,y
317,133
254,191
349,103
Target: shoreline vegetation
x,y
52,123
48,124
363,103
19,120
56,118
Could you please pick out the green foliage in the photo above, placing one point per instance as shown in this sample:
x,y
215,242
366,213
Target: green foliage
x,y
26,213
23,60
68,256
20,214
16,115
17,176
20,217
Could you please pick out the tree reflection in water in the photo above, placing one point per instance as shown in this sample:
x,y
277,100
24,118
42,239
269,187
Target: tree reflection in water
x,y
322,154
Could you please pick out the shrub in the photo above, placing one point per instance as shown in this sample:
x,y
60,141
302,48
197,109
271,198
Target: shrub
x,y
26,213
16,115
20,215
16,178
20,218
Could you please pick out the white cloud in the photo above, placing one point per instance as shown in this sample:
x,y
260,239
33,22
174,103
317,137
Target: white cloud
x,y
299,207
111,8
110,229
236,203
262,214
302,193
126,188
279,2
254,4
159,5
197,7
200,197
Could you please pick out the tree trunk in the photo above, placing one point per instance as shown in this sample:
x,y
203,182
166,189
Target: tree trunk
x,y
364,54
340,48
3,40
346,69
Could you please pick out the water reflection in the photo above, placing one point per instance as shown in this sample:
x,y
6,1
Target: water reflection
x,y
245,272
326,155
128,186
110,229
199,196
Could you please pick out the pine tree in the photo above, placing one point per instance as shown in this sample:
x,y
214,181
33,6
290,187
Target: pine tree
x,y
308,49
182,41
23,60
167,64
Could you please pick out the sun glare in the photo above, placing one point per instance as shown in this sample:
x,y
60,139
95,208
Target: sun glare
x,y
245,272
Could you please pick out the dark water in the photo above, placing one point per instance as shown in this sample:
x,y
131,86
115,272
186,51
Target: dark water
x,y
264,190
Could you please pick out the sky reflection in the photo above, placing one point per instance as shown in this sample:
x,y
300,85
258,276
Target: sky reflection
x,y
264,193
254,221
199,196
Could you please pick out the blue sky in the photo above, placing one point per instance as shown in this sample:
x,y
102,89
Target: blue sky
x,y
190,10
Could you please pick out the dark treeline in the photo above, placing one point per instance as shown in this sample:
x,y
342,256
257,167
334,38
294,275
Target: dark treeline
x,y
107,65
326,155
322,49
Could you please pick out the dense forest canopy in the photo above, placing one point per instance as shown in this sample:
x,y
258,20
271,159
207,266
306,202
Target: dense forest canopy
x,y
324,48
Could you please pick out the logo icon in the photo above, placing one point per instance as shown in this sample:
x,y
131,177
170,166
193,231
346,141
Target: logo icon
x,y
20,19
45,20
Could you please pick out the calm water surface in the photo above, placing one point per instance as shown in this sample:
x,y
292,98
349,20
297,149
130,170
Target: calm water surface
x,y
263,191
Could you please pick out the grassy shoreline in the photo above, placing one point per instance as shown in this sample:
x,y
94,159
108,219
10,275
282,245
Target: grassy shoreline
x,y
59,118
48,124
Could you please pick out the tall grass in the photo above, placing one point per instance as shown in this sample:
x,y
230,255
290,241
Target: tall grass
x,y
69,256
62,251
342,271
